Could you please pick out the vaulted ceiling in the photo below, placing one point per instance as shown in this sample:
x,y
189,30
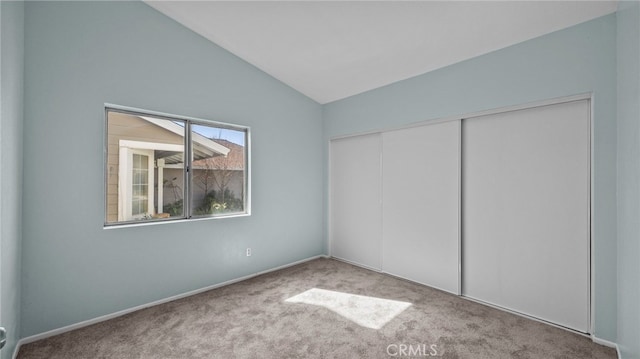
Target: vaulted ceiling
x,y
329,50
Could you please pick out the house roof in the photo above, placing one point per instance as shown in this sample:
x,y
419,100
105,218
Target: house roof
x,y
233,161
202,147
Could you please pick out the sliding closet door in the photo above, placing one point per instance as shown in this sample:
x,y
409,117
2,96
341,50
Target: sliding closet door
x,y
526,211
421,187
355,185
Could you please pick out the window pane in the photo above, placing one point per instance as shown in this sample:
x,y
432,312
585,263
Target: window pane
x,y
219,170
145,167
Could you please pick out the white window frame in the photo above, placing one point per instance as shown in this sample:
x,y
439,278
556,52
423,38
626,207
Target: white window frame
x,y
128,147
125,183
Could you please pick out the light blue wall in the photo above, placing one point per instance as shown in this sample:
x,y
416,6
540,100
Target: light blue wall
x,y
628,17
80,55
11,111
575,60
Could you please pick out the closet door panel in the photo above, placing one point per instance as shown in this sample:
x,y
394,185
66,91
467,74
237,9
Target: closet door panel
x,y
525,211
421,187
355,185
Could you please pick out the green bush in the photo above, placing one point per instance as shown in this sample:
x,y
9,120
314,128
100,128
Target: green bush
x,y
174,208
214,202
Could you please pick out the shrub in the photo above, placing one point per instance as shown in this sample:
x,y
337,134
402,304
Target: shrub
x,y
213,202
174,208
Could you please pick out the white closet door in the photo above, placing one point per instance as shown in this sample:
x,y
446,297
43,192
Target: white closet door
x,y
526,211
356,215
421,188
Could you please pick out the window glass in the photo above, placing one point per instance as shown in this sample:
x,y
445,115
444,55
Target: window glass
x,y
219,178
149,179
140,183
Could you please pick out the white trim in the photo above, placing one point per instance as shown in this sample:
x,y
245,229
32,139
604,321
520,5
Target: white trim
x,y
460,209
151,146
197,138
123,154
137,112
381,196
126,149
182,220
247,172
592,256
606,343
356,264
167,125
16,350
525,106
591,279
125,184
160,179
328,211
420,283
85,323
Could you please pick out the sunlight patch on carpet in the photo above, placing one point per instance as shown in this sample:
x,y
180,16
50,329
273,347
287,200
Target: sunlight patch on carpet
x,y
369,312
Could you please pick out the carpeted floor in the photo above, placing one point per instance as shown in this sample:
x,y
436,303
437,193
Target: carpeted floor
x,y
253,319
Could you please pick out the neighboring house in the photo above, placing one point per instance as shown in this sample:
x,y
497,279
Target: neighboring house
x,y
220,174
217,174
142,152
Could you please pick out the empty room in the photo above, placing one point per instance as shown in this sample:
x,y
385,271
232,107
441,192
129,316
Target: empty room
x,y
320,179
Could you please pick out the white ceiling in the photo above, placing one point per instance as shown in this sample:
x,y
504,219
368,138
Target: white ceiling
x,y
329,50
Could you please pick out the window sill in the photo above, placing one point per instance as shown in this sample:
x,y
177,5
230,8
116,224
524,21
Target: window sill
x,y
162,222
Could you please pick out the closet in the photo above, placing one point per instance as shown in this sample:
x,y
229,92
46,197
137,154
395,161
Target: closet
x,y
494,207
355,200
420,204
526,211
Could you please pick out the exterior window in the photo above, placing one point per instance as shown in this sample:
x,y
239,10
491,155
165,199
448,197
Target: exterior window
x,y
140,185
161,168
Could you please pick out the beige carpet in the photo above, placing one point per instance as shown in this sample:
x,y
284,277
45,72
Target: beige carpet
x,y
319,309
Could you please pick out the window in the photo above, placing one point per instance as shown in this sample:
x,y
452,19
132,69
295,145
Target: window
x,y
162,167
141,200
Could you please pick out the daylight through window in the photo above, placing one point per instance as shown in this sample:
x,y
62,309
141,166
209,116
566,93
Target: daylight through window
x,y
161,168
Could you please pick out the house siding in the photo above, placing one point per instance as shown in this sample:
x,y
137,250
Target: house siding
x,y
126,127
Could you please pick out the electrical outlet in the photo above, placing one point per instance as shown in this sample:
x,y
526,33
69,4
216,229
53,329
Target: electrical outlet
x,y
248,252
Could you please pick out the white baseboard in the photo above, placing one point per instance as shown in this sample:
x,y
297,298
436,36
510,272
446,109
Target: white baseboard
x,y
606,343
355,264
16,349
50,333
